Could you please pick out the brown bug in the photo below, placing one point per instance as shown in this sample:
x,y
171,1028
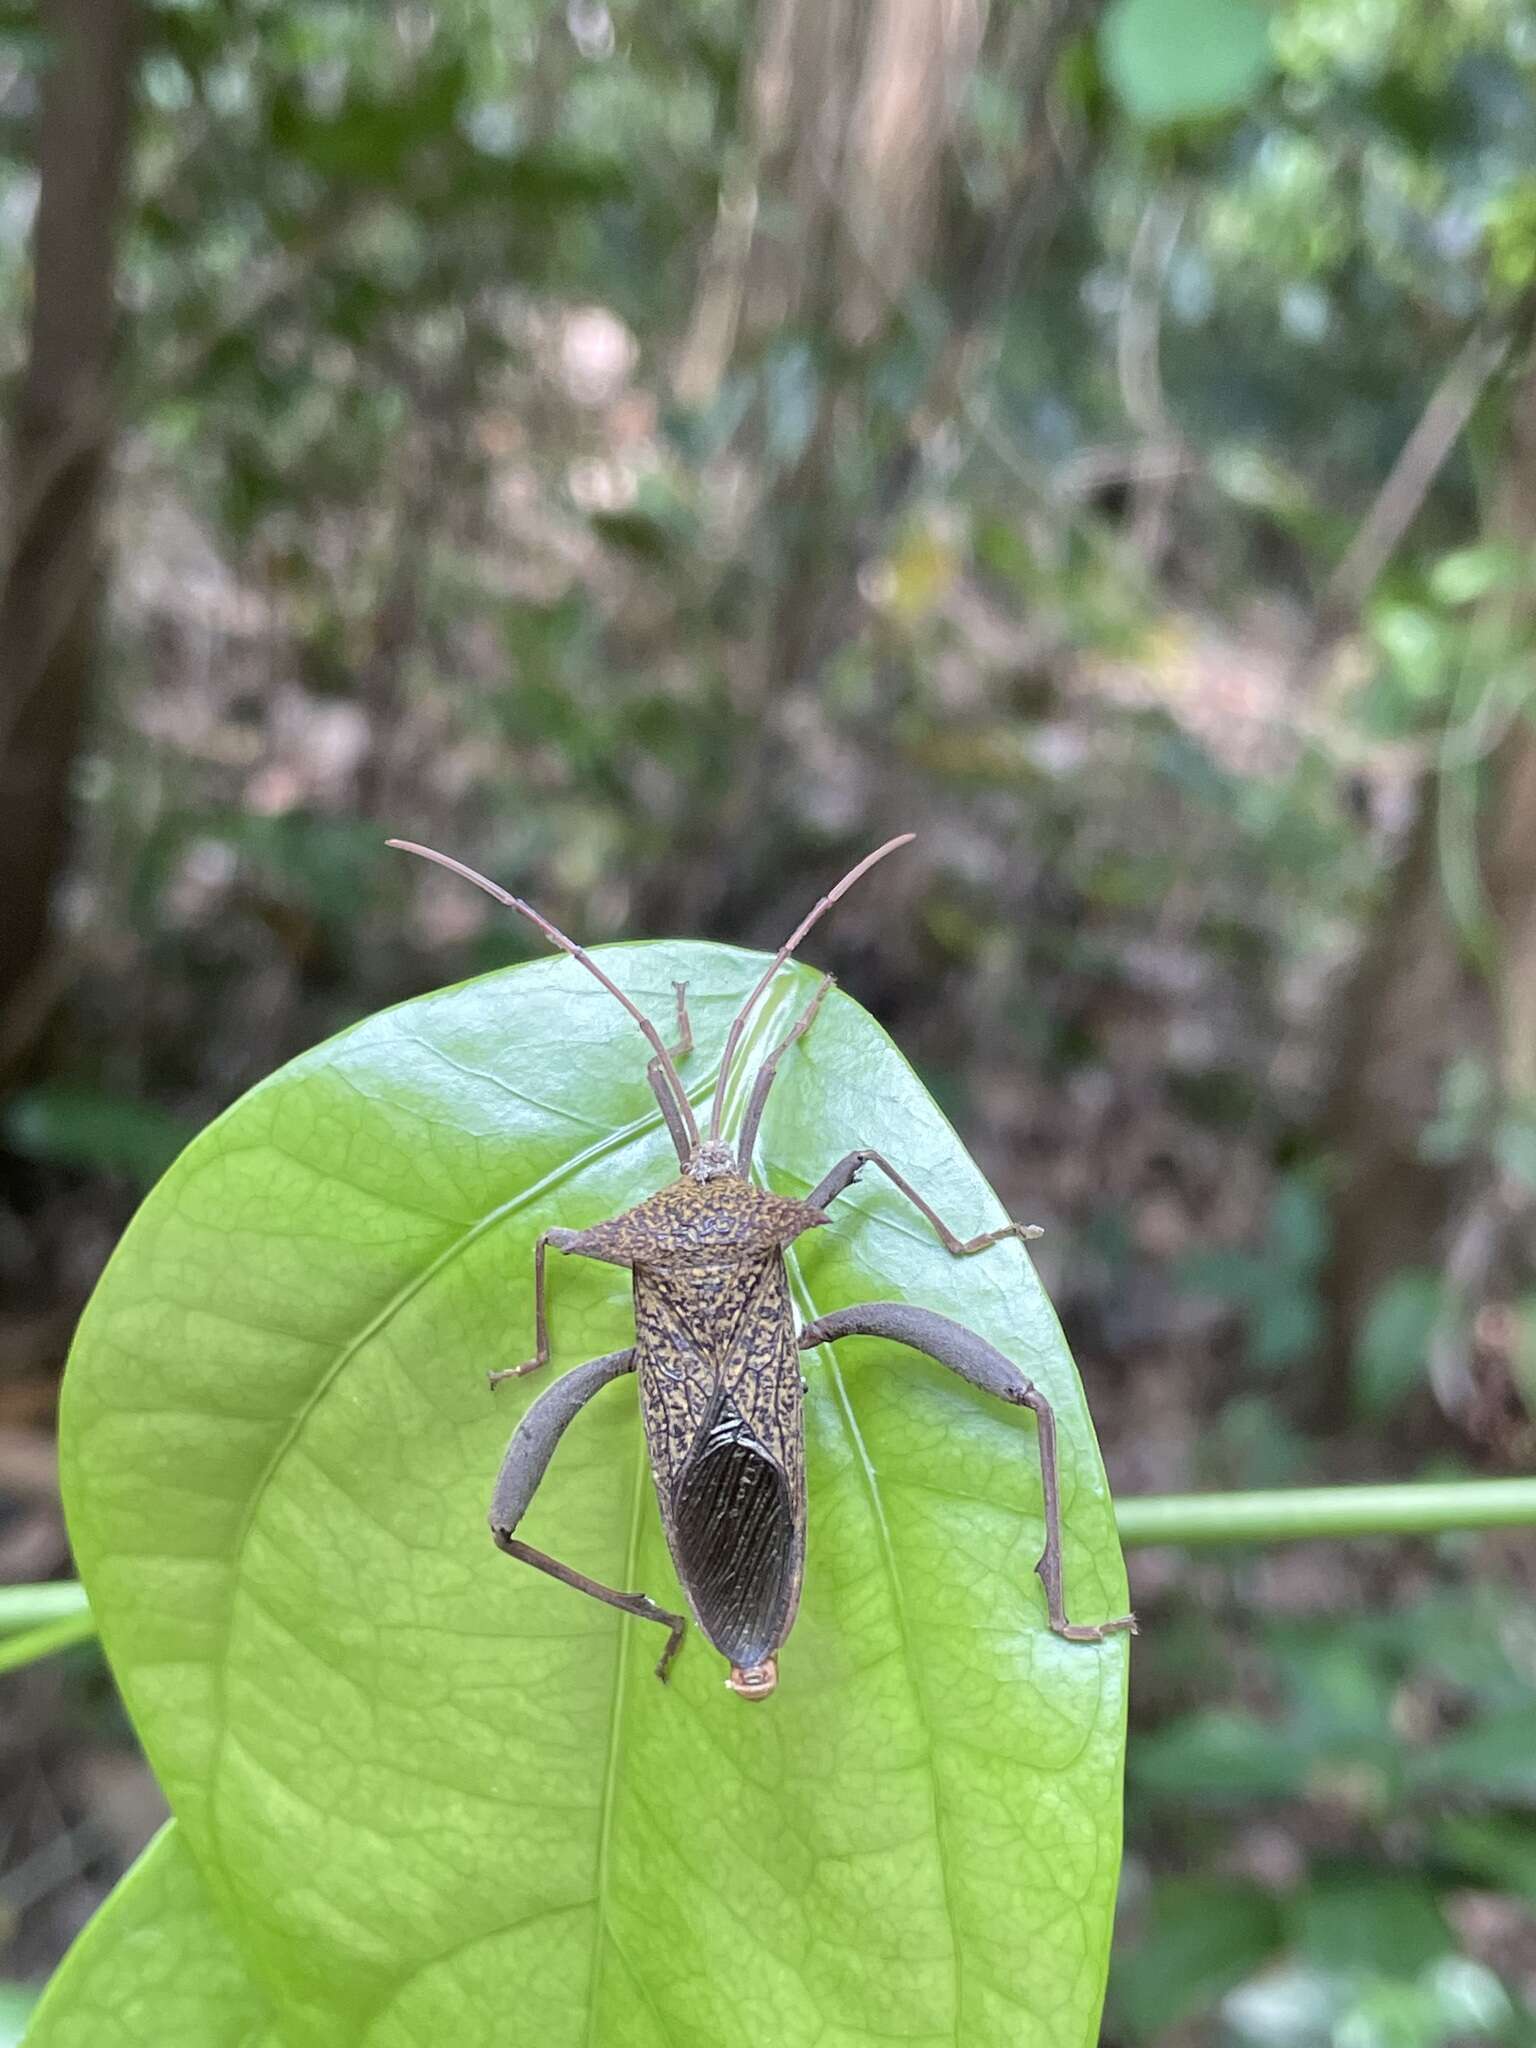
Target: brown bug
x,y
717,1354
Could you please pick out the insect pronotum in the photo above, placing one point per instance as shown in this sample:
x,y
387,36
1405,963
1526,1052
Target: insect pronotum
x,y
717,1353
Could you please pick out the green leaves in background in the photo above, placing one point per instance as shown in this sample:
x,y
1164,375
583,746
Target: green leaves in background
x,y
430,1795
1204,1935
1391,1358
89,1128
1393,1749
1276,1288
1184,60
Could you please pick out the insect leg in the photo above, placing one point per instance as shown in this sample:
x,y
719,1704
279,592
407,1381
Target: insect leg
x,y
974,1359
769,1068
528,1455
540,1321
540,1356
661,1088
684,1022
846,1172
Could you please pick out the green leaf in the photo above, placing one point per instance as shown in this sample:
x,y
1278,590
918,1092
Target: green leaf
x,y
1203,1936
1419,645
1467,574
84,1127
1184,60
1389,1361
434,1795
1355,1917
1492,1758
1297,1232
1495,1850
154,1969
1220,1758
1285,1325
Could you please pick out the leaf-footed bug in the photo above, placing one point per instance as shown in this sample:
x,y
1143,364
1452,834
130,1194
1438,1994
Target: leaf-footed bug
x,y
716,1352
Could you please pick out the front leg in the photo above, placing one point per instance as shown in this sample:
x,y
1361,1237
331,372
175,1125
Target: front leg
x,y
528,1455
561,1240
974,1359
746,1143
846,1172
661,1087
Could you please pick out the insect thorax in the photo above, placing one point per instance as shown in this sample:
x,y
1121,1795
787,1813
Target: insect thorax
x,y
690,1220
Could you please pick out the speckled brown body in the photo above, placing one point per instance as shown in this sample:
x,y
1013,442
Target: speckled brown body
x,y
717,1355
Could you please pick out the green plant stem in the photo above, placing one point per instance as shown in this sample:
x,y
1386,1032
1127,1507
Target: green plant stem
x,y
1308,1513
27,1607
35,1643
36,1620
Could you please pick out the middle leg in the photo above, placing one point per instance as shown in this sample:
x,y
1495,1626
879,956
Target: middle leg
x,y
561,1240
769,1068
540,1321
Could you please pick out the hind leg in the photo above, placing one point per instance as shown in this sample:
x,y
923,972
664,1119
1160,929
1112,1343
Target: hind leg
x,y
527,1460
974,1359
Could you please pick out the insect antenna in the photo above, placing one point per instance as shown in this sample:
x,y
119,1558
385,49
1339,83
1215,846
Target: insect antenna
x,y
733,1036
558,938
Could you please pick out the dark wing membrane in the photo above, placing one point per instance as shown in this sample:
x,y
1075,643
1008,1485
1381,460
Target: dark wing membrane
x,y
733,1527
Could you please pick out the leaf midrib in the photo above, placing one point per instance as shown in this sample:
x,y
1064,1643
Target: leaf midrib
x,y
611,1769
855,1438
701,1093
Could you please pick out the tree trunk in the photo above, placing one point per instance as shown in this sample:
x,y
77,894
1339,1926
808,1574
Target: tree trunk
x,y
1399,1023
845,202
850,108
61,448
1418,997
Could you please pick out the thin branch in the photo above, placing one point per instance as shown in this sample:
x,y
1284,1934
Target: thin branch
x,y
1138,365
1422,457
1291,1515
33,1644
28,1607
1307,1514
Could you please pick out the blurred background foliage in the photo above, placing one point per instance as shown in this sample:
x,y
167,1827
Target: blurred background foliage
x,y
659,452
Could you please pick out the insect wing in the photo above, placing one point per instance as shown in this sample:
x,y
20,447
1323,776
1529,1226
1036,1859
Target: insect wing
x,y
720,1392
733,1537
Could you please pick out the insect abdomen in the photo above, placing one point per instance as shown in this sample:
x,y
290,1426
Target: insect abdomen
x,y
734,1537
